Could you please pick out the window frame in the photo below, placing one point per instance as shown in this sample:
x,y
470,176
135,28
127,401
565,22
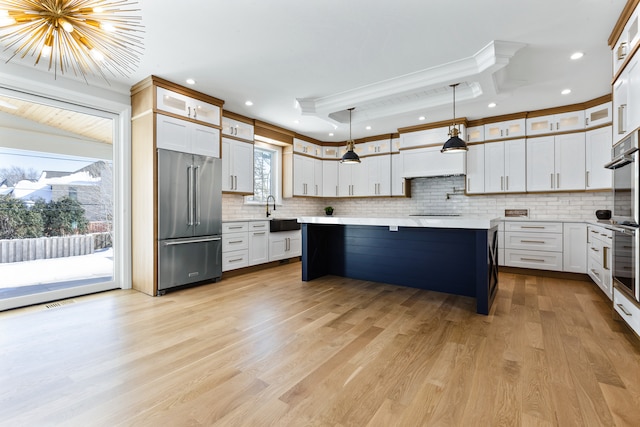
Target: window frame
x,y
276,166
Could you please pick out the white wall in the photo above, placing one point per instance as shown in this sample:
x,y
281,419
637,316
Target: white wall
x,y
429,195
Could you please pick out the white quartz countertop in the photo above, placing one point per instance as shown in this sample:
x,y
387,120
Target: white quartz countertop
x,y
465,222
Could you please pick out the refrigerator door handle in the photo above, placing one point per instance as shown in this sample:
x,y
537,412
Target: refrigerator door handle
x,y
185,241
190,194
196,194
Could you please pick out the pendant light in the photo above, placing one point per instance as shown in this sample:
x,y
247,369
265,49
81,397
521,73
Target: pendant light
x,y
455,144
350,157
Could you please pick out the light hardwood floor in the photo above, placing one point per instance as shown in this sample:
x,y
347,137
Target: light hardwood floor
x,y
265,349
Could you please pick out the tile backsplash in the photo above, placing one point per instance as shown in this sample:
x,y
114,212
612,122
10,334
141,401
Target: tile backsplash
x,y
439,195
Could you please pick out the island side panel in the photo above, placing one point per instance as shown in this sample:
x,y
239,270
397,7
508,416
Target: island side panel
x,y
320,244
486,269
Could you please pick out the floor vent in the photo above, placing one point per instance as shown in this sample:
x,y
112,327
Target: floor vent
x,y
59,303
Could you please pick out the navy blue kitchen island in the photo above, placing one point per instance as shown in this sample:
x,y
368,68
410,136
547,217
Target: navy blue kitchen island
x,y
452,255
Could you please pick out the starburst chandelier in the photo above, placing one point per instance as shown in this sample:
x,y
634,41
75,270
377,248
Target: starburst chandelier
x,y
82,36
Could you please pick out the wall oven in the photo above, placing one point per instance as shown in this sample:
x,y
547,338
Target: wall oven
x,y
626,207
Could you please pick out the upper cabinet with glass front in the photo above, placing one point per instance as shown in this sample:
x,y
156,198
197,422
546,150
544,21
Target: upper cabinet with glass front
x,y
598,115
185,106
564,122
237,128
627,41
506,129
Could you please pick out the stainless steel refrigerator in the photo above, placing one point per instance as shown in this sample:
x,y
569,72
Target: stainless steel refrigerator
x,y
189,219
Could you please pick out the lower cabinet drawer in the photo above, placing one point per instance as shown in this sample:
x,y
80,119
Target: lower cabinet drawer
x,y
540,260
235,242
235,259
629,311
534,241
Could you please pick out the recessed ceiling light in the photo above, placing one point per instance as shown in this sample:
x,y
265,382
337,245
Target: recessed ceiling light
x,y
191,81
368,128
576,55
492,105
421,118
296,121
566,92
331,134
248,103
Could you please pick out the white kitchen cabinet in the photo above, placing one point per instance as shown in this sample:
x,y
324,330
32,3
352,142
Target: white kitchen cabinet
x,y
307,176
258,242
181,135
505,166
598,115
475,169
237,166
556,163
626,42
379,174
305,147
237,129
185,106
352,179
506,129
597,153
285,244
398,183
429,161
536,245
599,243
330,178
330,152
376,147
628,309
555,123
475,134
574,248
235,245
626,100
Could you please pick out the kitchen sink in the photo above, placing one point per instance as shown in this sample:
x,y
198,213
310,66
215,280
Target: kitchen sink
x,y
283,224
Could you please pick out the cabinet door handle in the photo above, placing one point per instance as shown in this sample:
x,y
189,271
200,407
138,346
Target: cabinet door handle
x,y
533,241
558,180
552,180
621,52
595,272
506,179
233,242
468,184
557,125
624,310
502,183
551,126
605,257
541,227
621,119
261,233
586,178
595,250
236,260
195,113
188,111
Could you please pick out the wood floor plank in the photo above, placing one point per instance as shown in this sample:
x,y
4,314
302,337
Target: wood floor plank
x,y
267,349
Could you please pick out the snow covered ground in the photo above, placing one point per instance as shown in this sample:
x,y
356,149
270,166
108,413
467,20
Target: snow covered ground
x,y
42,271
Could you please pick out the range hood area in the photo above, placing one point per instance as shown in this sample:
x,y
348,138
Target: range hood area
x,y
430,162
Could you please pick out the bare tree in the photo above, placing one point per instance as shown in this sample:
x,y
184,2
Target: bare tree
x,y
10,176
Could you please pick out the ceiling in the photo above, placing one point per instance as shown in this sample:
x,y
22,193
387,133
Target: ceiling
x,y
303,63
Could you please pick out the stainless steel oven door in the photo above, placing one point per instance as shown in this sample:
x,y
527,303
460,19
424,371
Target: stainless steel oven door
x,y
625,260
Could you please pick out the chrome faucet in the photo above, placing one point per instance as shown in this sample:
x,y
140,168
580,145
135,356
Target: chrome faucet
x,y
274,205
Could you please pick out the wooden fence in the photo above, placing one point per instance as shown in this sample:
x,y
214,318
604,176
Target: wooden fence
x,y
18,250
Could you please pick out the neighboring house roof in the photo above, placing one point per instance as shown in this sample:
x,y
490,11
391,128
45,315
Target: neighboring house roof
x,y
42,188
4,190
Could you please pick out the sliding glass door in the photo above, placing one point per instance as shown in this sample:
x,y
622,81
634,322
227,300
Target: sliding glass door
x,y
59,221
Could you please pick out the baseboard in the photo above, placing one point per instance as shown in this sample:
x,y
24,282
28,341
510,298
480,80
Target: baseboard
x,y
545,273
